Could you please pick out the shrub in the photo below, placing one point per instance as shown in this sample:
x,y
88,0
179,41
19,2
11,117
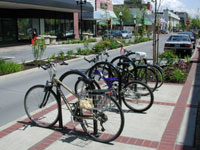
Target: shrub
x,y
100,46
53,56
10,67
141,39
61,55
70,52
169,56
178,75
38,48
78,51
92,40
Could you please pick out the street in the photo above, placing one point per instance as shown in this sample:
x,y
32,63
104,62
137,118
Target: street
x,y
13,87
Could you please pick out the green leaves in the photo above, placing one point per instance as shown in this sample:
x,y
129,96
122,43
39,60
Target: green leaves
x,y
10,67
126,12
38,48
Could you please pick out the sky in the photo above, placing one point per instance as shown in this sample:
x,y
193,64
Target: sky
x,y
192,7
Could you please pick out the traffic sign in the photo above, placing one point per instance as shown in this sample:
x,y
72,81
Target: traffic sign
x,y
187,22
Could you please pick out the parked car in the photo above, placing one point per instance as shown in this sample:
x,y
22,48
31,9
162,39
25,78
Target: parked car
x,y
115,33
180,43
163,31
126,34
192,37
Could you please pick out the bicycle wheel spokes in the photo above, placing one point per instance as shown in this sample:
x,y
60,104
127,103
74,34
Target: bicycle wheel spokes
x,y
137,96
147,76
108,121
41,107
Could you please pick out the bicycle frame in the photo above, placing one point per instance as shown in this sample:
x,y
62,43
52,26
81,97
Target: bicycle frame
x,y
73,112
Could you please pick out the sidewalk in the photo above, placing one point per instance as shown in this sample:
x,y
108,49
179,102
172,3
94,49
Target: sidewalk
x,y
168,125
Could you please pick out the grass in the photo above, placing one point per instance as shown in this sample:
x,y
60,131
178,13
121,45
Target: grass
x,y
10,67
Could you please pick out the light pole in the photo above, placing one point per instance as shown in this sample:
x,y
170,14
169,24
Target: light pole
x,y
81,3
120,16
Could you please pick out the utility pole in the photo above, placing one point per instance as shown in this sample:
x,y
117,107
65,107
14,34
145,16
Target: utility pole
x,y
154,35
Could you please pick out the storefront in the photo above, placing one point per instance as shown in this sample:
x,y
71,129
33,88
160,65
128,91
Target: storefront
x,y
19,18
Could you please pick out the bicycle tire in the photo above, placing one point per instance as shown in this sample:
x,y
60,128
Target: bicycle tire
x,y
112,126
158,70
137,96
106,70
148,76
45,115
81,87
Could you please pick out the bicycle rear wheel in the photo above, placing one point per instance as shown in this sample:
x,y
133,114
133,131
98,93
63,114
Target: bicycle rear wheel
x,y
41,106
147,76
107,123
137,96
158,70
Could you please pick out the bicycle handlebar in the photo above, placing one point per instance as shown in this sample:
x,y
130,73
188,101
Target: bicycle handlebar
x,y
95,59
51,64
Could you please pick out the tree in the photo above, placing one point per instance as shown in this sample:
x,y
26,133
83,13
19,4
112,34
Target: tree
x,y
38,48
127,15
195,23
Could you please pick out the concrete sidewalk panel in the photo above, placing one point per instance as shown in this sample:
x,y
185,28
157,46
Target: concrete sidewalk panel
x,y
149,125
24,137
168,93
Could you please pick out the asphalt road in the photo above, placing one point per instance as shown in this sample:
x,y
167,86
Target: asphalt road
x,y
13,87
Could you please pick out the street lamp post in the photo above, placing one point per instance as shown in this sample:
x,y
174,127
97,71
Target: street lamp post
x,y
81,3
120,16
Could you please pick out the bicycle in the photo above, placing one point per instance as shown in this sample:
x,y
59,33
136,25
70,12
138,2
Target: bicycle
x,y
99,115
136,95
132,71
140,58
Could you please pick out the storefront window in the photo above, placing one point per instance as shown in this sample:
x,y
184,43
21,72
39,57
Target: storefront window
x,y
1,34
24,28
49,26
60,28
69,32
36,25
8,29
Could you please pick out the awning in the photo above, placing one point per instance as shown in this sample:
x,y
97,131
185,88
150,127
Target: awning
x,y
54,5
99,15
104,14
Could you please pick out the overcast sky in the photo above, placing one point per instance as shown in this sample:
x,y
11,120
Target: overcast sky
x,y
190,6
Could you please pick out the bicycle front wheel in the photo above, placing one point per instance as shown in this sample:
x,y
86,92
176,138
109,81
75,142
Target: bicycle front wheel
x,y
107,123
41,106
137,96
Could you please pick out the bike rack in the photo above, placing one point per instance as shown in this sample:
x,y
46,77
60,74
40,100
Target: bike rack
x,y
60,110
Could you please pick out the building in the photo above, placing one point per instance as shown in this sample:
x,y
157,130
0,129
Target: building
x,y
183,18
102,15
53,17
172,19
137,12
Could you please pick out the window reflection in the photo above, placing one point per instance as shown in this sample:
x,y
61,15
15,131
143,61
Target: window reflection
x,y
8,29
1,34
24,28
49,26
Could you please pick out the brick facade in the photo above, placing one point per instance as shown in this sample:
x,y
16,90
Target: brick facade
x,y
76,27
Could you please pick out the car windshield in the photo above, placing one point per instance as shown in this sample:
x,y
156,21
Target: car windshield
x,y
178,38
187,33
